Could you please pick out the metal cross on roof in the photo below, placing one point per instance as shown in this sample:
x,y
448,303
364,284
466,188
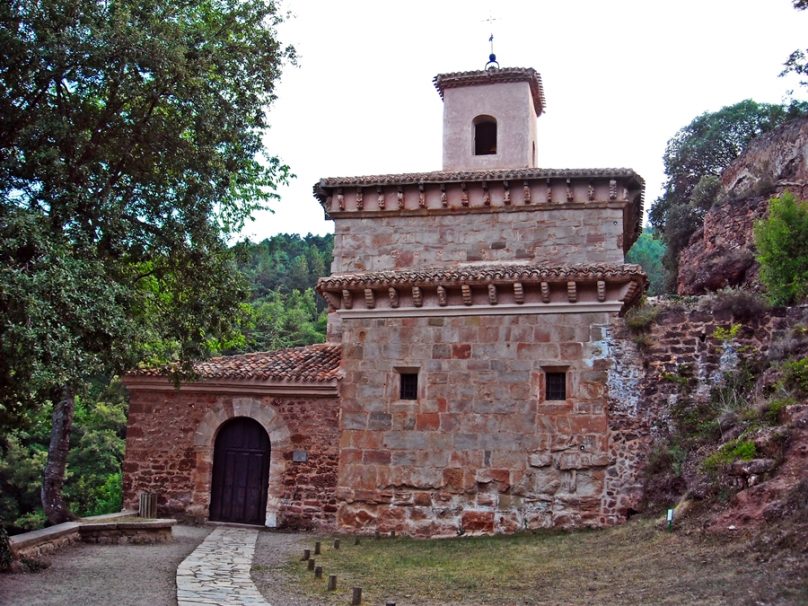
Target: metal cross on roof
x,y
492,58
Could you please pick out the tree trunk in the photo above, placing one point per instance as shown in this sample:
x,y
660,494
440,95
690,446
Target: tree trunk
x,y
53,479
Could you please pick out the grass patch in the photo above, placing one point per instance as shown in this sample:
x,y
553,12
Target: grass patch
x,y
631,564
734,450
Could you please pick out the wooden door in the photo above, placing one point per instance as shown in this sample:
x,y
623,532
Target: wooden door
x,y
240,473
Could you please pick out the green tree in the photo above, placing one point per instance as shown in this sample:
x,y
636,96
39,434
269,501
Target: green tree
x,y
130,149
694,160
797,62
648,251
782,243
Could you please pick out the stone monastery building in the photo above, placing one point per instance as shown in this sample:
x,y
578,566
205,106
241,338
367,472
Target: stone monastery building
x,y
466,386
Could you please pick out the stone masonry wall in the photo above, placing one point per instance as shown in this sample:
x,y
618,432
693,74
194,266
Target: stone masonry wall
x,y
480,450
555,237
163,455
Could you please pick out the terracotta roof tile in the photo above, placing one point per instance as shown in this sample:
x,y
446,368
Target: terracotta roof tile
x,y
490,76
484,274
440,176
311,364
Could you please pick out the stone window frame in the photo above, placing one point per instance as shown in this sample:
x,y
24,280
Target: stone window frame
x,y
401,371
556,369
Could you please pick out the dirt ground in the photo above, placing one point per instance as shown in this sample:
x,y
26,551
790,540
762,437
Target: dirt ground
x,y
115,575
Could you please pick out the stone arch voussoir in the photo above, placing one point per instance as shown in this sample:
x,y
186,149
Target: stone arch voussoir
x,y
205,438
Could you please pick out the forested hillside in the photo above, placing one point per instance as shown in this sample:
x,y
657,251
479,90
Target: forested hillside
x,y
284,310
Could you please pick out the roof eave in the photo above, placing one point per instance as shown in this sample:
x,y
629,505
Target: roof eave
x,y
226,385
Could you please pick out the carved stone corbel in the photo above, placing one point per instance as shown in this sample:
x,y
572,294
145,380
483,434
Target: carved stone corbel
x,y
572,291
417,297
518,292
392,293
601,291
465,290
370,298
442,300
492,294
347,299
506,196
545,292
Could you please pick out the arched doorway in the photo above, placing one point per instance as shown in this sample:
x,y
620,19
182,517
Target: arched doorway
x,y
240,473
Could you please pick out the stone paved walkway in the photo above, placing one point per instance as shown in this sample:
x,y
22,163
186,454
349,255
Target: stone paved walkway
x,y
218,571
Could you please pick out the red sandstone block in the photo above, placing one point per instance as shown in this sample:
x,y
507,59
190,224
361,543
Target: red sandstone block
x,y
478,521
422,499
367,439
453,479
461,351
555,407
427,421
351,455
571,351
589,424
381,457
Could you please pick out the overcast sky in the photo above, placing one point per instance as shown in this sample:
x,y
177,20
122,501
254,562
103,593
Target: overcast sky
x,y
620,78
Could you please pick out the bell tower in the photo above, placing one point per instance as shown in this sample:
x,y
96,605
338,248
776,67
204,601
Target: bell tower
x,y
489,118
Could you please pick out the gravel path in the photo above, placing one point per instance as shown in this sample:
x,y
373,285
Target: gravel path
x,y
118,575
272,552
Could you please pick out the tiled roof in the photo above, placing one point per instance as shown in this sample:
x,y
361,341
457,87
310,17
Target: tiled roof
x,y
484,274
490,76
441,176
311,364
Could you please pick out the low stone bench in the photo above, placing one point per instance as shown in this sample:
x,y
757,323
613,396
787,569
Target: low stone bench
x,y
108,529
40,543
141,532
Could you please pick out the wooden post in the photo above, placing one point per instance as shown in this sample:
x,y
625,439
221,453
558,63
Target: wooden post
x,y
356,541
311,564
392,534
336,543
317,548
306,554
147,505
318,572
332,582
356,598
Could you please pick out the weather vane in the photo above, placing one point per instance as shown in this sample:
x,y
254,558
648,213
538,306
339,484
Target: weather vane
x,y
492,58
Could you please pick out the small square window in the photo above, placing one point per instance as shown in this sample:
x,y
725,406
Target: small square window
x,y
409,386
555,386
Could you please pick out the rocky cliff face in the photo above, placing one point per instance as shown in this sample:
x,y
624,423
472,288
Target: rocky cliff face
x,y
721,253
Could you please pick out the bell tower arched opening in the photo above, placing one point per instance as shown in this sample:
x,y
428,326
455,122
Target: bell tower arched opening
x,y
485,135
